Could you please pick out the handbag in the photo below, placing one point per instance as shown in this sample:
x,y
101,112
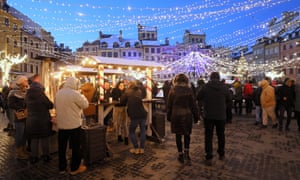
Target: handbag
x,y
21,114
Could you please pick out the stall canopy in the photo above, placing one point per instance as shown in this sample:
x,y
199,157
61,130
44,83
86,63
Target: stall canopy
x,y
120,62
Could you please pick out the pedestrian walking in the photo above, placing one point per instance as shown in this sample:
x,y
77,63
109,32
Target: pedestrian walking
x,y
285,103
215,96
69,105
238,97
268,103
256,100
182,112
38,122
132,98
297,102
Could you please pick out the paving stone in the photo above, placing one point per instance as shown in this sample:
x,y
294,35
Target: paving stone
x,y
251,153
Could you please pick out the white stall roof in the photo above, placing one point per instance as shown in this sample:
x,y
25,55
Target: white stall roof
x,y
125,62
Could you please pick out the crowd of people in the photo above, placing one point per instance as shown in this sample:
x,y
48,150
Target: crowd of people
x,y
212,102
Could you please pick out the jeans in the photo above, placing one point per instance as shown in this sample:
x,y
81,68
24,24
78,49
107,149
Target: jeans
x,y
120,119
141,122
72,135
288,110
258,114
20,137
209,125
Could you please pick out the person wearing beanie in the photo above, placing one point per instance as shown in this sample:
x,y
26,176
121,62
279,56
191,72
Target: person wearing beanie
x,y
16,102
182,112
215,97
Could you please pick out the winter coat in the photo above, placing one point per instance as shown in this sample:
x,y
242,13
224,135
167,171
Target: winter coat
x,y
133,97
297,97
248,90
285,92
267,98
116,94
256,96
16,101
238,95
69,104
215,97
182,110
38,123
88,90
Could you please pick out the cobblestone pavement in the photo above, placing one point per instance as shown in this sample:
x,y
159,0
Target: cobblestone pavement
x,y
251,153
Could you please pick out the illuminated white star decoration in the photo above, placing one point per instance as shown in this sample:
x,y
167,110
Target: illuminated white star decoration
x,y
6,62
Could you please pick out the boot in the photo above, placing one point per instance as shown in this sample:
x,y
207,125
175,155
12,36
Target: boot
x,y
187,157
180,158
126,140
120,139
25,150
20,154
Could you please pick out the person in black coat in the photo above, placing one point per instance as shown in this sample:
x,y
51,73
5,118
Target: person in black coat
x,y
215,97
182,111
285,102
132,98
38,124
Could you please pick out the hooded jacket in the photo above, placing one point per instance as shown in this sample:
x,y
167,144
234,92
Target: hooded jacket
x,y
215,96
267,97
69,104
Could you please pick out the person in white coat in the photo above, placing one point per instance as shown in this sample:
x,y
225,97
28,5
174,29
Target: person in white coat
x,y
69,103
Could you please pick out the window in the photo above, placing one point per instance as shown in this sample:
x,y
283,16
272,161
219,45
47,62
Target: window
x,y
87,49
157,50
140,54
127,44
152,50
129,54
136,45
103,54
124,54
25,40
116,54
291,45
31,42
291,71
15,43
146,50
104,45
15,27
134,54
6,21
109,54
116,45
31,68
284,47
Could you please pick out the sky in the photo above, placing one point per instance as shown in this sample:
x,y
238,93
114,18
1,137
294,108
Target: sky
x,y
228,23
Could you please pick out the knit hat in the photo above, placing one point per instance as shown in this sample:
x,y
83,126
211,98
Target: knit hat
x,y
20,79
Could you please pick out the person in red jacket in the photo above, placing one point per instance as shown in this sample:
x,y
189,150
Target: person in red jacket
x,y
248,92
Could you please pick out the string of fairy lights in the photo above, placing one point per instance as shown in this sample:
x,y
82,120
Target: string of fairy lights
x,y
207,16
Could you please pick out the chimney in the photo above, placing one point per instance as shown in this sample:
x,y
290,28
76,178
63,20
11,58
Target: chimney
x,y
100,34
167,41
121,36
